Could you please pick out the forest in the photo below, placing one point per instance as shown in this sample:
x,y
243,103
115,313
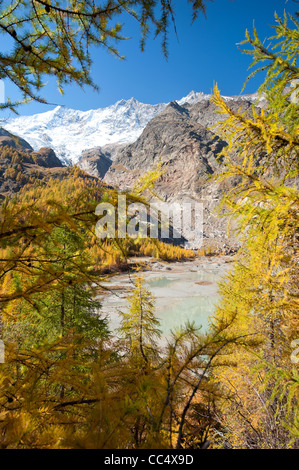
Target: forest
x,y
69,382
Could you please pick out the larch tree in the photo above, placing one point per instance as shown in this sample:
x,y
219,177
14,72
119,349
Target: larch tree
x,y
261,291
54,39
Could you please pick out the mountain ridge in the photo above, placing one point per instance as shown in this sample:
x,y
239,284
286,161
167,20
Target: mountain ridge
x,y
70,132
181,135
184,140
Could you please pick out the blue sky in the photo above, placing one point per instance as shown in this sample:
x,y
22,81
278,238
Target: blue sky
x,y
205,52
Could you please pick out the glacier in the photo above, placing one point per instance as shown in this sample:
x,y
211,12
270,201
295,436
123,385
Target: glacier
x,y
69,131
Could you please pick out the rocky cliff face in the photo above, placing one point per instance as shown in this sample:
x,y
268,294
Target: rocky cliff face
x,y
19,163
47,158
182,135
186,147
95,162
181,138
13,140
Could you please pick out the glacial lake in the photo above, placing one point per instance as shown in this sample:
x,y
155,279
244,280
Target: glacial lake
x,y
182,291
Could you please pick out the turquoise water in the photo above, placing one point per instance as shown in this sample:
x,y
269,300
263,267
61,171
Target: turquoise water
x,y
185,292
179,300
191,309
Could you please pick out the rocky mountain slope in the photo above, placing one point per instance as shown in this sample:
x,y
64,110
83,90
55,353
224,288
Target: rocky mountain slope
x,y
20,164
69,131
127,139
181,138
95,162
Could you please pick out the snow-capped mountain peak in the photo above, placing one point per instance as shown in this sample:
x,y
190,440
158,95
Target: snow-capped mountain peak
x,y
69,131
193,97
